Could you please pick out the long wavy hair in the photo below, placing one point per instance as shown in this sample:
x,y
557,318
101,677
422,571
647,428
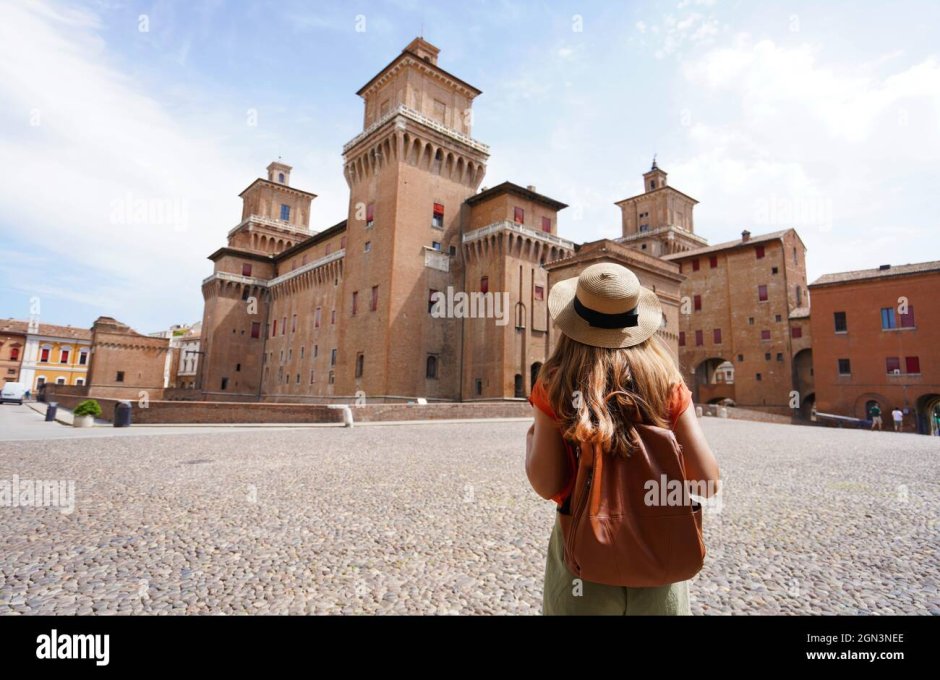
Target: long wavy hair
x,y
598,393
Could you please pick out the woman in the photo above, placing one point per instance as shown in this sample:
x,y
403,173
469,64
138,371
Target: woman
x,y
608,368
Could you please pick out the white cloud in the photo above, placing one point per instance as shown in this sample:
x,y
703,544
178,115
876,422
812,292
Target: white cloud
x,y
777,139
80,138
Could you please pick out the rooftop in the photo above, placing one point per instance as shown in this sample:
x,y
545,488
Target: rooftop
x,y
522,192
881,272
45,329
762,238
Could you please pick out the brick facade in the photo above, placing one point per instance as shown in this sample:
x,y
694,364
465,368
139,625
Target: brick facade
x,y
875,338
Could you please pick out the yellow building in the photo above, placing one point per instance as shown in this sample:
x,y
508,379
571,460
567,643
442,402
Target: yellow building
x,y
54,354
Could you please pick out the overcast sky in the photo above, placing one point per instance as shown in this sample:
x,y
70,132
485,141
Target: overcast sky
x,y
820,116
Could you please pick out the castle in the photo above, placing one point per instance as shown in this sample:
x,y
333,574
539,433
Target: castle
x,y
355,310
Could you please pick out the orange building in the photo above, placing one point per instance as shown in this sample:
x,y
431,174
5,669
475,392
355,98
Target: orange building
x,y
876,339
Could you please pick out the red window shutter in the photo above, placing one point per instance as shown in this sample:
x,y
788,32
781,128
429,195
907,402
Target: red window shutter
x,y
370,212
274,329
547,224
256,329
695,265
762,293
760,251
539,293
717,334
713,261
912,364
484,284
699,338
438,208
518,215
796,332
681,338
907,320
246,269
892,364
765,335
697,303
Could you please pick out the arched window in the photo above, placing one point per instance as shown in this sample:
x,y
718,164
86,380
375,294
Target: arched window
x,y
14,353
280,177
535,368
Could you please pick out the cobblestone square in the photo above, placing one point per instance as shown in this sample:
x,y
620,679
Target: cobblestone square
x,y
439,519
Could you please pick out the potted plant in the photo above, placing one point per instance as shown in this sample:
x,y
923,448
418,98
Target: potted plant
x,y
85,413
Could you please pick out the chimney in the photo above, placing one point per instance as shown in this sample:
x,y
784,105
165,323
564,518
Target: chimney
x,y
884,267
531,187
745,235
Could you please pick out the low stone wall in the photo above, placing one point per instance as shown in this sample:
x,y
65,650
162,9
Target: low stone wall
x,y
735,413
206,412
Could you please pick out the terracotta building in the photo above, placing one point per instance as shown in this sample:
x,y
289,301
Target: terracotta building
x,y
876,334
432,288
743,331
12,346
126,364
429,289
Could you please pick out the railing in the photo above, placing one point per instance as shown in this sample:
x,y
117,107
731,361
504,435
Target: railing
x,y
841,421
662,230
225,276
509,225
418,117
339,254
277,224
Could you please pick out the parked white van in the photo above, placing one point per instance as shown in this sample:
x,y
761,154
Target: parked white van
x,y
13,392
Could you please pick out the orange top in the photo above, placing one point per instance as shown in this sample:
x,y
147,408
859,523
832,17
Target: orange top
x,y
679,401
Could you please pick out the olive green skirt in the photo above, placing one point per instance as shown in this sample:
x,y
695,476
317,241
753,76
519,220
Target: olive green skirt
x,y
566,594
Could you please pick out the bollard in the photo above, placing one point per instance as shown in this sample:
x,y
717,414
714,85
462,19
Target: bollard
x,y
122,414
51,409
722,412
347,417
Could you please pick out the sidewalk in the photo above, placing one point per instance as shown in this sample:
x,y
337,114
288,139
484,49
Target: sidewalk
x,y
63,415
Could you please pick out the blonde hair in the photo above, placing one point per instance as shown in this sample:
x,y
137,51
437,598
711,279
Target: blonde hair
x,y
597,393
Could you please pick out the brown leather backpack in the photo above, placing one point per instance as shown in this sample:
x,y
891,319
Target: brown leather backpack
x,y
613,535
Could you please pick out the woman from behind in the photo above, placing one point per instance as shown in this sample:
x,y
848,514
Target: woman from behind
x,y
609,371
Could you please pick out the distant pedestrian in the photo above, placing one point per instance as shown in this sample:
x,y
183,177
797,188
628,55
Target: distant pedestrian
x,y
898,416
936,418
875,414
26,395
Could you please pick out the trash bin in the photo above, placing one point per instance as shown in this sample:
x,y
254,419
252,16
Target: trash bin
x,y
51,409
122,414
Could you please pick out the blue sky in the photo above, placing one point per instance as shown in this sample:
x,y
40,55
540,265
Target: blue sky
x,y
820,116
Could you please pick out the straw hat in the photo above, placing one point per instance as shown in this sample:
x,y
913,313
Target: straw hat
x,y
605,307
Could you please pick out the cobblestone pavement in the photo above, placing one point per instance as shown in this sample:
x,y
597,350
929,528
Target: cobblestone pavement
x,y
439,518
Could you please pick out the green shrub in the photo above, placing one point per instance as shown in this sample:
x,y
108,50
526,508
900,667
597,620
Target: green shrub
x,y
89,407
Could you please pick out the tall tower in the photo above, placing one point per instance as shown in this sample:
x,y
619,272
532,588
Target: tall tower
x,y
659,221
409,172
275,217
